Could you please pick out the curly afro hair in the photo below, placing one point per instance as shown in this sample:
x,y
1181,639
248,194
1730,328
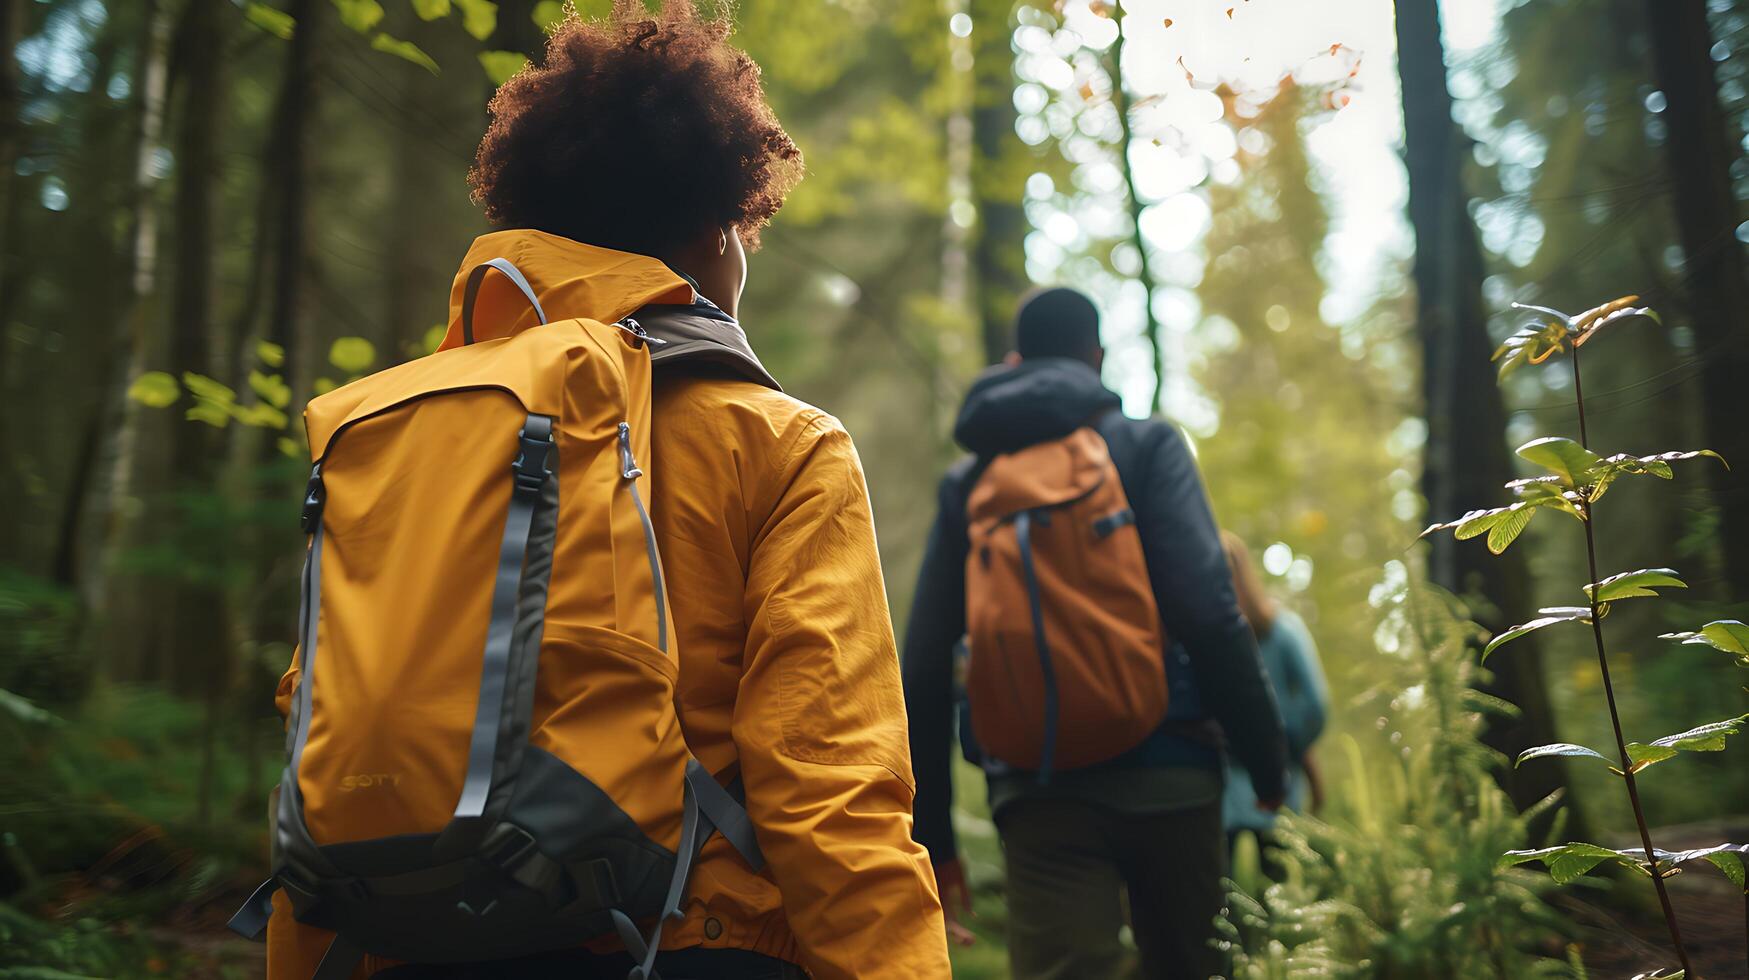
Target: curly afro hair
x,y
637,133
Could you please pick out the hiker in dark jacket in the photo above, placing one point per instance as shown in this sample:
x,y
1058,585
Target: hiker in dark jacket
x,y
1148,821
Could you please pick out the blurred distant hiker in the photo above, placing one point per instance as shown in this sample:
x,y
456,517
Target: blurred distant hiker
x,y
1290,660
581,723
1076,552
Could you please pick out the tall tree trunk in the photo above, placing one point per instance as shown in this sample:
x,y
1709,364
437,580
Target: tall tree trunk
x,y
12,14
998,251
1700,157
292,116
105,485
1467,460
198,635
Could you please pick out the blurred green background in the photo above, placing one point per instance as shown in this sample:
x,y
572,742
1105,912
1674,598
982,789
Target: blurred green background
x,y
211,209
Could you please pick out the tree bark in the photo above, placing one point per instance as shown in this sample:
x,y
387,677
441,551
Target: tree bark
x,y
1467,460
197,650
1700,156
290,141
998,249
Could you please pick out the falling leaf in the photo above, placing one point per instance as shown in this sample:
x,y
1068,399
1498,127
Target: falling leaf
x,y
1229,13
1168,22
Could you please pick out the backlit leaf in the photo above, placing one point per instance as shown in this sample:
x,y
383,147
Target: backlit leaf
x,y
1556,749
1566,862
1729,635
1552,615
1629,585
271,388
1588,323
270,19
1562,457
206,389
351,354
359,15
501,65
1705,738
155,389
547,14
406,50
479,17
1502,534
289,447
431,9
270,354
1640,755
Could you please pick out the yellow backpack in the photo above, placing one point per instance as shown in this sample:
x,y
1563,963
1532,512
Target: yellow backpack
x,y
483,755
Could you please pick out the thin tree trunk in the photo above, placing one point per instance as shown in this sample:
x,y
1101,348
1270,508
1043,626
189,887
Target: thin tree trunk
x,y
1467,460
296,108
1700,156
1145,273
998,251
12,14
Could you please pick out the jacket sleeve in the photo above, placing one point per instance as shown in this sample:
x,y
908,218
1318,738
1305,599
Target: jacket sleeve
x,y
938,620
820,728
1194,589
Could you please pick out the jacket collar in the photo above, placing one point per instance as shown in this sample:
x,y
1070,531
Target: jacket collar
x,y
701,333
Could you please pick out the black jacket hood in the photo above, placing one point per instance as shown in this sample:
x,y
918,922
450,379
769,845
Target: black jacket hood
x,y
1012,407
702,333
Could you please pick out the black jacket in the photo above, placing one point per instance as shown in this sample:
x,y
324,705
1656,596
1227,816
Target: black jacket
x,y
1009,408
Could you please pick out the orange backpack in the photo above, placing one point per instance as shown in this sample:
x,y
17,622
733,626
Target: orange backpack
x,y
483,755
1067,665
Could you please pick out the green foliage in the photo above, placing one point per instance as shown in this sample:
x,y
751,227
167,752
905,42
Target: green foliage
x,y
274,21
40,660
1406,883
1579,479
501,65
405,50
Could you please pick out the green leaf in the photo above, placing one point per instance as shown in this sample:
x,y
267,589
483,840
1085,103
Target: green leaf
x,y
359,15
1534,344
213,413
1562,457
431,9
270,354
1507,530
433,339
500,66
1728,858
21,709
1552,615
1588,323
289,447
272,20
403,49
271,388
1728,635
479,17
206,389
322,386
1556,749
1547,491
155,389
352,354
1630,585
1705,738
547,14
261,416
1566,862
1640,755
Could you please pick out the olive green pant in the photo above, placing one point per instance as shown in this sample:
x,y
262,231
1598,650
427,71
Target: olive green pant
x,y
1070,862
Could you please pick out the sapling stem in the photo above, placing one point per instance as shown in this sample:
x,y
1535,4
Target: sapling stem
x,y
1621,746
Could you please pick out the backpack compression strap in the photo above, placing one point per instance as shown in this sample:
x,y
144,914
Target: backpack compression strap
x,y
709,808
471,292
1023,535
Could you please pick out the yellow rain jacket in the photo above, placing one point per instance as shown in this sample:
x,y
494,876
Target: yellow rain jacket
x,y
788,675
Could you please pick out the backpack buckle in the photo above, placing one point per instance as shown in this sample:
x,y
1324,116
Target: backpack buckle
x,y
315,495
531,465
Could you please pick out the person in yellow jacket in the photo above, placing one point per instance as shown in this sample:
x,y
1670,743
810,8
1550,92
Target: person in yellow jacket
x,y
628,173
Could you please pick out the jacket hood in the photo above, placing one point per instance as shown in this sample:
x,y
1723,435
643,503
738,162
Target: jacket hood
x,y
574,280
1010,408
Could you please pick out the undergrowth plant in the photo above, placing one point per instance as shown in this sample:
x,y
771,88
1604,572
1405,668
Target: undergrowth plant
x,y
1577,480
1403,880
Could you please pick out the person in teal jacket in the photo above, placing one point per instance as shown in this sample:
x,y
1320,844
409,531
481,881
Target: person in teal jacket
x,y
1290,661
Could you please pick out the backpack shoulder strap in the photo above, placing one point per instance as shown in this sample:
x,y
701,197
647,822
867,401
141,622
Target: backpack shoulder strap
x,y
471,292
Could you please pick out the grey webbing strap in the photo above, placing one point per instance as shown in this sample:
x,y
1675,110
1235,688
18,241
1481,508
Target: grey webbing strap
x,y
309,618
630,472
250,921
1047,755
471,292
1108,525
342,957
727,815
634,940
530,474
